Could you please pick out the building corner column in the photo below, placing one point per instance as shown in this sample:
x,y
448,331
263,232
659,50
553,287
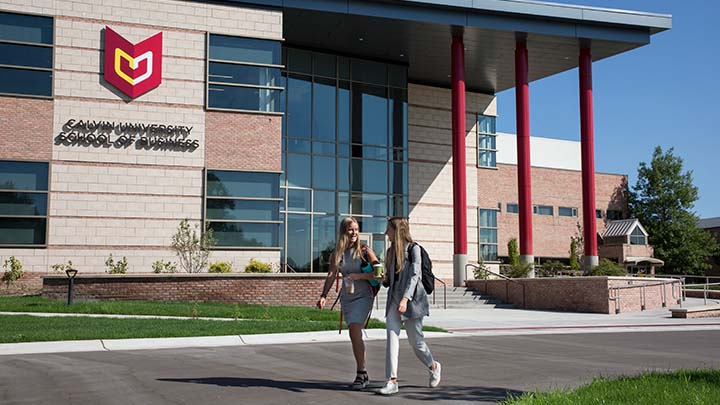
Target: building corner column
x,y
590,257
459,168
522,105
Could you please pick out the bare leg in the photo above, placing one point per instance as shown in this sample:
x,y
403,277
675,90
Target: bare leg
x,y
358,345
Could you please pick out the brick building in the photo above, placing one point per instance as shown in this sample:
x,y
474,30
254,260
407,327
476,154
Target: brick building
x,y
268,121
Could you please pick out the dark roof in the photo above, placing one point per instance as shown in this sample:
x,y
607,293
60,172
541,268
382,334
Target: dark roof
x,y
707,223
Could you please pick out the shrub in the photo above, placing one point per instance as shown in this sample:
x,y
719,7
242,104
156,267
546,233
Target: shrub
x,y
255,266
513,252
113,267
192,250
607,268
480,272
60,267
13,270
521,270
161,266
221,267
550,269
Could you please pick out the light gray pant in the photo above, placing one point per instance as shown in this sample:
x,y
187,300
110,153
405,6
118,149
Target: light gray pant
x,y
413,328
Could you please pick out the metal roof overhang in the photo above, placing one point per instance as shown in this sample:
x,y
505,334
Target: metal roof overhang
x,y
418,33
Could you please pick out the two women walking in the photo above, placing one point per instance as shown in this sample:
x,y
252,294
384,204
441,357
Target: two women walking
x,y
406,299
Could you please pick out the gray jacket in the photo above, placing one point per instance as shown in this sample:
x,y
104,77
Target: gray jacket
x,y
411,286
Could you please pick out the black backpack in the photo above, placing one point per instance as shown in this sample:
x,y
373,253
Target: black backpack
x,y
428,278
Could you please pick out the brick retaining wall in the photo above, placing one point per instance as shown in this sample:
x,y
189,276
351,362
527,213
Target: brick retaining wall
x,y
240,288
577,294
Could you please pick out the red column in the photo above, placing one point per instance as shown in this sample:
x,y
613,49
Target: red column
x,y
522,107
588,155
458,149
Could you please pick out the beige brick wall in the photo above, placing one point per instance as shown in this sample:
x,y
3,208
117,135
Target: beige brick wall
x,y
430,179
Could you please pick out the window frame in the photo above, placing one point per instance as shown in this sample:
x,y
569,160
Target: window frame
x,y
516,205
47,211
536,210
208,82
33,68
483,134
632,237
495,228
573,212
206,221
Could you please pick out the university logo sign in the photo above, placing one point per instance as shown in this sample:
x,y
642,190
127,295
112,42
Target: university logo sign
x,y
134,69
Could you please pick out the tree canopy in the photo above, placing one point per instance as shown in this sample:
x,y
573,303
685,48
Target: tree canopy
x,y
663,199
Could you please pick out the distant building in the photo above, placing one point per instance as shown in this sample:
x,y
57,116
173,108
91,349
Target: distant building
x,y
712,225
626,243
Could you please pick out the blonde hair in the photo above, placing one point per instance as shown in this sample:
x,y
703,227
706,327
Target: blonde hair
x,y
398,243
344,243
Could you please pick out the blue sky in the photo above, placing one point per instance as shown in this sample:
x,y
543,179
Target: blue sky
x,y
661,94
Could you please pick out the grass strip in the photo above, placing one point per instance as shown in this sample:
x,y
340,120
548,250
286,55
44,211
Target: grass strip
x,y
25,328
697,387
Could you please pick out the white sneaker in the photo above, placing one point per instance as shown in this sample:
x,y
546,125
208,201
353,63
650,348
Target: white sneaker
x,y
435,375
389,388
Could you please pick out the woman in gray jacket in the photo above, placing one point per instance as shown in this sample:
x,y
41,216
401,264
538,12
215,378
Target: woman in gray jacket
x,y
406,303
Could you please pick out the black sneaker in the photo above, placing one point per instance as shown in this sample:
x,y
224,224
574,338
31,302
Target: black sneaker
x,y
361,381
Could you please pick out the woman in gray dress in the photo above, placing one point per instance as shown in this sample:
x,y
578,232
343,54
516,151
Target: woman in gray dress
x,y
356,296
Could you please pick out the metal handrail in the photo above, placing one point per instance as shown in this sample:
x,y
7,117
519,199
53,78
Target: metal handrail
x,y
614,293
507,279
705,289
444,292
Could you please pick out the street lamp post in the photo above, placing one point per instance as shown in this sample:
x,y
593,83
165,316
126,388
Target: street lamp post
x,y
71,276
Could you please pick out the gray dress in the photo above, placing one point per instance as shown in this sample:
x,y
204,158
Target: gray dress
x,y
356,307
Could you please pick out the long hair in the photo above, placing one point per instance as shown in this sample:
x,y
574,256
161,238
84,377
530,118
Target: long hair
x,y
398,243
344,243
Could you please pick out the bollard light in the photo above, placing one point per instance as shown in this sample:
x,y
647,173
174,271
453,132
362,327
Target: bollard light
x,y
71,273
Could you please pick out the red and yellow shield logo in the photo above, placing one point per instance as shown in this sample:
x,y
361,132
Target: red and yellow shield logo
x,y
134,69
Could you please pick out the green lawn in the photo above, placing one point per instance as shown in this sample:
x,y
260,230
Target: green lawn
x,y
250,319
695,387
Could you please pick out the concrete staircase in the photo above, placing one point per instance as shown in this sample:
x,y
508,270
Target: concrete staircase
x,y
457,297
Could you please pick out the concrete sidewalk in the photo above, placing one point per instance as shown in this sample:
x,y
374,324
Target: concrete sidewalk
x,y
458,323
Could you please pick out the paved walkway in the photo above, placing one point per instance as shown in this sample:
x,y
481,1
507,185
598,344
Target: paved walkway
x,y
458,322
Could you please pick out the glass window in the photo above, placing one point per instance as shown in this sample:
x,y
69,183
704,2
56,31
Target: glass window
x,y
598,214
369,115
324,148
369,176
223,183
637,237
325,65
399,206
398,178
299,200
487,143
324,109
236,82
23,203
298,146
26,50
299,61
543,210
250,197
245,234
247,50
486,124
398,76
344,112
613,215
567,212
369,204
398,117
232,209
244,74
244,98
324,230
487,159
487,234
512,208
299,108
369,72
298,170
324,201
324,172
23,175
299,236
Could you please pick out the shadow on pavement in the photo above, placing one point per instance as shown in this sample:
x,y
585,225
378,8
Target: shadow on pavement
x,y
293,386
456,393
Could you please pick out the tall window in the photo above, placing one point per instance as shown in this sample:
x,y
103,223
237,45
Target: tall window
x,y
243,208
344,151
487,141
26,55
637,237
487,224
23,203
243,74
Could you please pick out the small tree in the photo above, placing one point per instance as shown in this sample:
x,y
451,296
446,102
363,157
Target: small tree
x,y
192,250
13,270
576,245
513,252
480,272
